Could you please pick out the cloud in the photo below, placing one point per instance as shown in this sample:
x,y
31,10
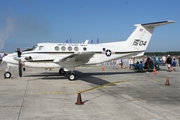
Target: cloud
x,y
6,32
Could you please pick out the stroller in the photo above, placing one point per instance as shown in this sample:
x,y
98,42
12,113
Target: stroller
x,y
149,65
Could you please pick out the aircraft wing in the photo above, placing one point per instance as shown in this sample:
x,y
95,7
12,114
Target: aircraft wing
x,y
75,59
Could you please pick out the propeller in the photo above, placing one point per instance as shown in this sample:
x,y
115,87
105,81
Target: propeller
x,y
20,69
20,65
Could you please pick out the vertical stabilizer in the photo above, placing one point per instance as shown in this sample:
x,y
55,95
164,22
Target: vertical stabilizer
x,y
141,36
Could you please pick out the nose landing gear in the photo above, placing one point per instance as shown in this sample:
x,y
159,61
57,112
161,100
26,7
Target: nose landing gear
x,y
7,74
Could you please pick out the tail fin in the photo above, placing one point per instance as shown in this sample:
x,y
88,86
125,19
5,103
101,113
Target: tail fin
x,y
141,36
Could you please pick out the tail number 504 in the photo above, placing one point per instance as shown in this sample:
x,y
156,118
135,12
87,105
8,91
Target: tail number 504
x,y
139,42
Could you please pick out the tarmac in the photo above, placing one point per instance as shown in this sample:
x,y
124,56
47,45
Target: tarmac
x,y
111,94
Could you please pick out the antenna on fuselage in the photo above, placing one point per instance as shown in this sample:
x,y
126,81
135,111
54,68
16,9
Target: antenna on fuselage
x,y
98,41
92,41
86,41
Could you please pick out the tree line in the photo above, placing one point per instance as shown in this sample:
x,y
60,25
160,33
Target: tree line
x,y
172,53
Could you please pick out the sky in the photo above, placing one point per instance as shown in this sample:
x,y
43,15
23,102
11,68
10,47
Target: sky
x,y
24,23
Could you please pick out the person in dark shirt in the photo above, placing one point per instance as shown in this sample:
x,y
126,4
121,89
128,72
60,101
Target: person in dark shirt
x,y
169,62
149,64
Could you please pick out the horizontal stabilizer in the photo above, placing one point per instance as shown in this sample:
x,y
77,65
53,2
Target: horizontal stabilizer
x,y
155,24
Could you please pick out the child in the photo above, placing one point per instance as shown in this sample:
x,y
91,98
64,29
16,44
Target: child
x,y
174,64
140,66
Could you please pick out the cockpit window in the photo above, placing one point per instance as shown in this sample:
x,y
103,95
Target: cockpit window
x,y
41,48
31,49
34,47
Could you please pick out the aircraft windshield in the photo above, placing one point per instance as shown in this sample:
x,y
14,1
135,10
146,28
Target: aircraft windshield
x,y
31,49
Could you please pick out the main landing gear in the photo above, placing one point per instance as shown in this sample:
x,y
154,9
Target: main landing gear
x,y
71,75
61,71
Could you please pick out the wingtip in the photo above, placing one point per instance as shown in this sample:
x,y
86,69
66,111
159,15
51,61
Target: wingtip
x,y
171,21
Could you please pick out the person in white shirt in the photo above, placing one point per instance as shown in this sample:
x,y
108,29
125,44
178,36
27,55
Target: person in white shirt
x,y
164,60
131,62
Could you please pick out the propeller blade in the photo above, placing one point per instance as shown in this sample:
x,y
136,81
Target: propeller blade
x,y
20,70
19,65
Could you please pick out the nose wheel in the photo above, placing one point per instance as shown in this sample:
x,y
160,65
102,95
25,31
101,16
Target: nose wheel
x,y
7,75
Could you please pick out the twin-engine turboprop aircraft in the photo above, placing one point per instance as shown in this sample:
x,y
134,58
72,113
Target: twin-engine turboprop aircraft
x,y
68,56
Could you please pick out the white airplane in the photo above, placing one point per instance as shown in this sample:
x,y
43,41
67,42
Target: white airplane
x,y
68,56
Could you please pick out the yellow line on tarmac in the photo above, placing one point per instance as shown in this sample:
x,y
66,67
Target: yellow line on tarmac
x,y
50,93
86,90
100,86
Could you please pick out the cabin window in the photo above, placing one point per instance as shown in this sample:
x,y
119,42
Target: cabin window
x,y
84,48
70,48
41,48
76,48
104,49
63,48
56,48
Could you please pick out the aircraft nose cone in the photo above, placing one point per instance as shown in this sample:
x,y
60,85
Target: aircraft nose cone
x,y
5,59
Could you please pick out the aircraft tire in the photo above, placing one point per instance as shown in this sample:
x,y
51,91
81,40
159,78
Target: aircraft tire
x,y
72,76
7,75
61,71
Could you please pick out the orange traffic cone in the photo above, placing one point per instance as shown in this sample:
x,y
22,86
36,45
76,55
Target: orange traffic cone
x,y
167,82
79,100
102,68
155,72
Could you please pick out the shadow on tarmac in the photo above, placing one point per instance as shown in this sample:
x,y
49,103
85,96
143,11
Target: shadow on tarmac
x,y
89,77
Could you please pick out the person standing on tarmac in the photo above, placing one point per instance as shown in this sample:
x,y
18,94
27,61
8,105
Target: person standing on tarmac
x,y
157,62
174,64
131,61
164,60
169,62
179,60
